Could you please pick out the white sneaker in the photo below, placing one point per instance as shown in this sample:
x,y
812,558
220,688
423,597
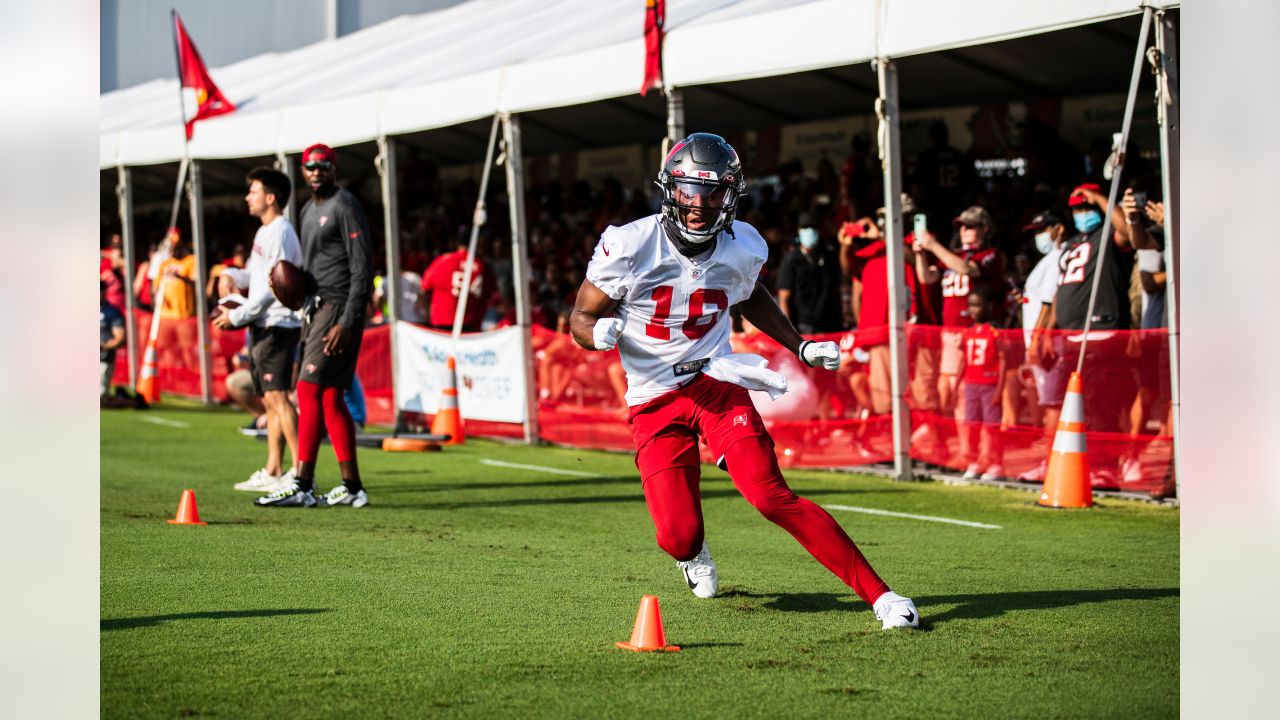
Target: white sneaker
x,y
1035,474
972,472
286,480
700,574
260,482
995,472
342,496
896,611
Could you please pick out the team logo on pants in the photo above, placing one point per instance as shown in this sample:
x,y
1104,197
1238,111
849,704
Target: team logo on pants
x,y
740,420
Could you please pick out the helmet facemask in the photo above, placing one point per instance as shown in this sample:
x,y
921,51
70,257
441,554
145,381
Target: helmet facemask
x,y
701,180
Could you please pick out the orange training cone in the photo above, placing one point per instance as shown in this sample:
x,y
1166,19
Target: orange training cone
x,y
187,512
448,420
1066,484
148,387
648,636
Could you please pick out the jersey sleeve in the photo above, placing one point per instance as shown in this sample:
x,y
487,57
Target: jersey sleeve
x,y
355,232
757,250
610,266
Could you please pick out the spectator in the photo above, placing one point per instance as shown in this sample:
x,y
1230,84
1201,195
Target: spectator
x,y
110,338
975,264
865,259
1036,304
176,305
442,283
858,180
111,271
983,365
239,257
944,179
809,283
1107,386
1150,350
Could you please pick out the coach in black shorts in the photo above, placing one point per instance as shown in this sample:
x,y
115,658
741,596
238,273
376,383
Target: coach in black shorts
x,y
273,328
336,262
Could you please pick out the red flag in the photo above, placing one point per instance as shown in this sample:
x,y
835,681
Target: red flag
x,y
655,17
193,74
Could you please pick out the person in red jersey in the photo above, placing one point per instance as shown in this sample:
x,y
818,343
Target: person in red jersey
x,y
660,290
965,267
442,288
983,367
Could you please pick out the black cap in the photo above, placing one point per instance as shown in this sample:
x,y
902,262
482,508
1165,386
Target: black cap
x,y
1048,218
806,220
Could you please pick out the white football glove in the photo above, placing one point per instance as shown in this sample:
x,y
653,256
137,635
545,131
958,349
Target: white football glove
x,y
824,354
605,334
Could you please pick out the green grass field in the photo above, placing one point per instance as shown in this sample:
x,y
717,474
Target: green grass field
x,y
470,590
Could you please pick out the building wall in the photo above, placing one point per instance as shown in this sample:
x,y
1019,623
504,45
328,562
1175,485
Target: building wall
x,y
137,42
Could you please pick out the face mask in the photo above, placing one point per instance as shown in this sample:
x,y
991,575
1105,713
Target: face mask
x,y
1044,242
808,238
1087,222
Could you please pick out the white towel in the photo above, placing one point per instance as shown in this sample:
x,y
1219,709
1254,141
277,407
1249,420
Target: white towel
x,y
749,371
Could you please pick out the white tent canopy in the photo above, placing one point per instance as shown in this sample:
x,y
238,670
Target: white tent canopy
x,y
471,60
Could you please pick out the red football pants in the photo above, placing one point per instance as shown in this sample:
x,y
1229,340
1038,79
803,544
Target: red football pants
x,y
666,431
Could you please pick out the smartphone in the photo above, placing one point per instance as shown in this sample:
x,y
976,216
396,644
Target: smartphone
x,y
1141,199
920,226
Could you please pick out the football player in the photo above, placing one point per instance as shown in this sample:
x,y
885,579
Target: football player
x,y
660,289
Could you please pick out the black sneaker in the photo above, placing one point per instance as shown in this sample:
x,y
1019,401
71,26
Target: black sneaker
x,y
292,496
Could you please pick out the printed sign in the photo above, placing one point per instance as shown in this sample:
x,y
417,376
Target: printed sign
x,y
490,372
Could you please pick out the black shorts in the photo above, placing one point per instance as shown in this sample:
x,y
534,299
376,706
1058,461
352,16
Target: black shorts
x,y
335,370
271,356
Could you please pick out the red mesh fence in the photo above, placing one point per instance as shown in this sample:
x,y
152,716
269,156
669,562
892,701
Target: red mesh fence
x,y
831,419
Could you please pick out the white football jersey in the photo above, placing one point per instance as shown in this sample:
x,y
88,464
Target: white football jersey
x,y
674,310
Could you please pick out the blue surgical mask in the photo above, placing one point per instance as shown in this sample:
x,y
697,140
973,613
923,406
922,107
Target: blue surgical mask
x,y
809,238
1088,221
1044,242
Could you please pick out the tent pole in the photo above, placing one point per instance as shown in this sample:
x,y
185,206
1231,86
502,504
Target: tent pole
x,y
1167,116
290,171
196,200
385,163
124,193
520,267
891,162
479,218
675,117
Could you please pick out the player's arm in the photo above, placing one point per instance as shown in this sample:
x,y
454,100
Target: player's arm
x,y
117,335
765,314
355,232
593,309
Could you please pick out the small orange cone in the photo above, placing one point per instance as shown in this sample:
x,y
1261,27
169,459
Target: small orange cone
x,y
448,420
1066,484
187,512
648,636
148,387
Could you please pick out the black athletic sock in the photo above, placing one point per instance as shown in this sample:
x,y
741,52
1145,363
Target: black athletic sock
x,y
353,486
305,483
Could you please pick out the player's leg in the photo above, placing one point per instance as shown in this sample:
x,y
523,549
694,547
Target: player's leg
x,y
310,415
667,458
336,376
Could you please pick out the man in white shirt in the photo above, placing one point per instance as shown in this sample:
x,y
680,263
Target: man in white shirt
x,y
1037,300
660,289
274,330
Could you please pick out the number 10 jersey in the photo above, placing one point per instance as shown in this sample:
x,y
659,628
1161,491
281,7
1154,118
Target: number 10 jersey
x,y
674,310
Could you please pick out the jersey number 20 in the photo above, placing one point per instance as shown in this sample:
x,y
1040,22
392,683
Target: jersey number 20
x,y
698,299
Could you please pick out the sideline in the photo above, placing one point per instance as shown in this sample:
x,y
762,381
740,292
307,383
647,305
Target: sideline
x,y
166,423
930,518
538,468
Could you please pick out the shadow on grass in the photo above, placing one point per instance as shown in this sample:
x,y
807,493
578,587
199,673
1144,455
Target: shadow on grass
x,y
128,623
987,605
638,497
967,607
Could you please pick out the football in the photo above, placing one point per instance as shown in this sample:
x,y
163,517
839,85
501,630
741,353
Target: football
x,y
288,284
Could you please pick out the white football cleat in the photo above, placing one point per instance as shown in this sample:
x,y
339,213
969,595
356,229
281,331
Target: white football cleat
x,y
896,611
700,573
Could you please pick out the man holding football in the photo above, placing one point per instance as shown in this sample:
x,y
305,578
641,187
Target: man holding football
x,y
273,328
336,260
660,289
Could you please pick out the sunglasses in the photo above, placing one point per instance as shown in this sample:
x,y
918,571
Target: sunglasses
x,y
320,165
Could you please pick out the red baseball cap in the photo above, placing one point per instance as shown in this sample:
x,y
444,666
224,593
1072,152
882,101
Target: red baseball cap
x,y
1078,197
325,152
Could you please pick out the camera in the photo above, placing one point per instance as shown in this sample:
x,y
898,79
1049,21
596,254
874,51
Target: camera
x,y
1140,199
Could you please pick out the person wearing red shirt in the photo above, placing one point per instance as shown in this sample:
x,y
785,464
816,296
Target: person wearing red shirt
x,y
975,265
865,259
441,288
983,366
